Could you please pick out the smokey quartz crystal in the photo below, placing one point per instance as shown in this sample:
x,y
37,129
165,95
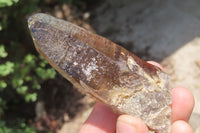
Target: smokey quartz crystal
x,y
104,70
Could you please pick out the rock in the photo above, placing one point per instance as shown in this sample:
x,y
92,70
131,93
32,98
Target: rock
x,y
108,72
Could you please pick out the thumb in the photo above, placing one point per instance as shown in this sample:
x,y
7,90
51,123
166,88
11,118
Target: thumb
x,y
129,124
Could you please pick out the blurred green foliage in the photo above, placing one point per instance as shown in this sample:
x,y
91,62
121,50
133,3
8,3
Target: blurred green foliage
x,y
21,70
4,3
21,127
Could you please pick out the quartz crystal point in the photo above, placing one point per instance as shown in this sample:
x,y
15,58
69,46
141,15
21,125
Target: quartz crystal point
x,y
103,69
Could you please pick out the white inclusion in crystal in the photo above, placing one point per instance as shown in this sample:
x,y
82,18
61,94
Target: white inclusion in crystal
x,y
88,68
75,63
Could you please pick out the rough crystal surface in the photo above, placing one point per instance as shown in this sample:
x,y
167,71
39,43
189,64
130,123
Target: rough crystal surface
x,y
99,67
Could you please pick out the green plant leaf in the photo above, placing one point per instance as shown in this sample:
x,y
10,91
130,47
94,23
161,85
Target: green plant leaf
x,y
22,90
31,97
3,52
7,68
28,78
45,73
4,3
1,27
17,82
36,85
3,85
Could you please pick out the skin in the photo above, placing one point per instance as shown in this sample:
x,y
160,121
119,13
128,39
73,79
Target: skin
x,y
103,120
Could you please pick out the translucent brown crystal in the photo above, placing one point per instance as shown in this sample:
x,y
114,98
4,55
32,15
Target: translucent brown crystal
x,y
103,69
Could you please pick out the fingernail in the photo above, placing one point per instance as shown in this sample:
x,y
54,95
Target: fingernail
x,y
125,125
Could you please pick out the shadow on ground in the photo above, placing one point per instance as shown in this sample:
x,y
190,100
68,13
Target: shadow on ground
x,y
156,28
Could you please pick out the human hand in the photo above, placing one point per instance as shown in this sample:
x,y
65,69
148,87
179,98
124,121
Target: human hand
x,y
103,120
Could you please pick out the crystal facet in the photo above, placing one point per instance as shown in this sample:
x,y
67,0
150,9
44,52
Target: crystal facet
x,y
108,72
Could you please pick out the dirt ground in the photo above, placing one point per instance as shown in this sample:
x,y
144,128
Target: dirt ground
x,y
164,31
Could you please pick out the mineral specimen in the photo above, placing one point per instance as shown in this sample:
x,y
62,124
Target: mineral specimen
x,y
108,72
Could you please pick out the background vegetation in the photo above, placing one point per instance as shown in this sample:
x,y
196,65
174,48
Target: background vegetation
x,y
22,70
